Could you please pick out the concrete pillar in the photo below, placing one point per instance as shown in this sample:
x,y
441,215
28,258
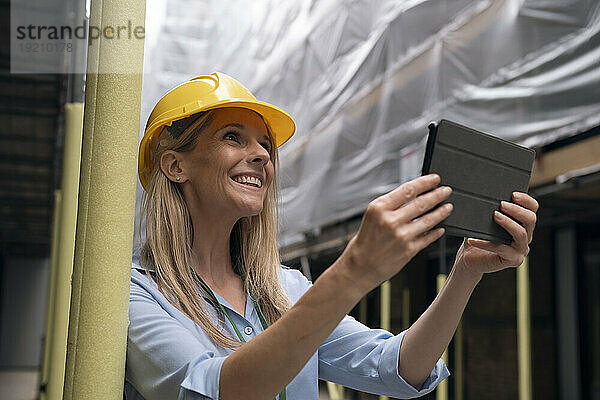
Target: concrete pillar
x,y
99,303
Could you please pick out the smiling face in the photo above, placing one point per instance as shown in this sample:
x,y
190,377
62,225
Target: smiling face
x,y
230,168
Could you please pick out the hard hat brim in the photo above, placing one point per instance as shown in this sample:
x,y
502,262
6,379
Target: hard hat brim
x,y
279,123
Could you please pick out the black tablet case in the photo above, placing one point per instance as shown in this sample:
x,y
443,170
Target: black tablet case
x,y
482,170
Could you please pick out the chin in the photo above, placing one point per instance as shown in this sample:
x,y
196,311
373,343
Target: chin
x,y
256,212
250,211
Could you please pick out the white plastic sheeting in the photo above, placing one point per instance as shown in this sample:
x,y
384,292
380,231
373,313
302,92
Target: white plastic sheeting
x,y
362,79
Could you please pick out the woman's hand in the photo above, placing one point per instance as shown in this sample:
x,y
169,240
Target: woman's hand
x,y
395,227
480,256
392,231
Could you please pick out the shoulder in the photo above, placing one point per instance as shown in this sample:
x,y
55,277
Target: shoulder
x,y
138,270
140,281
144,289
293,282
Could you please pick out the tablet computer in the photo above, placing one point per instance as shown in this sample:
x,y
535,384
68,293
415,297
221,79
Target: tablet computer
x,y
482,170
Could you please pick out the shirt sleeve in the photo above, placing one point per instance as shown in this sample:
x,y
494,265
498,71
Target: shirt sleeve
x,y
164,359
366,359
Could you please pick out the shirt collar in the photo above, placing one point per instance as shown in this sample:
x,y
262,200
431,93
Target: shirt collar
x,y
249,304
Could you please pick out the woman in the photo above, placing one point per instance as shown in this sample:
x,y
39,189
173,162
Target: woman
x,y
209,280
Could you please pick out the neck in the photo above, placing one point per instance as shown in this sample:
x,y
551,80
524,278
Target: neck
x,y
211,252
211,257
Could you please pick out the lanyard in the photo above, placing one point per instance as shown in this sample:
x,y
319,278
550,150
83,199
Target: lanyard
x,y
261,316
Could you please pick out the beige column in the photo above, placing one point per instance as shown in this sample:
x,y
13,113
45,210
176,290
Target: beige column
x,y
66,245
99,303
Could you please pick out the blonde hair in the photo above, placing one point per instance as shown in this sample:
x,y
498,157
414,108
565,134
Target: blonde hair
x,y
169,237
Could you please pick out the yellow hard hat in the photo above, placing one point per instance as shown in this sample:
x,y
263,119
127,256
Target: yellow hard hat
x,y
203,93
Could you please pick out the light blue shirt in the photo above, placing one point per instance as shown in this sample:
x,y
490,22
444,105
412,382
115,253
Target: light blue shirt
x,y
171,357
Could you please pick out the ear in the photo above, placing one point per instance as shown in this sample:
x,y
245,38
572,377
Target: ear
x,y
170,164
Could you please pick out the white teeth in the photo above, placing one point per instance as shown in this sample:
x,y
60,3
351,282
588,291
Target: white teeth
x,y
248,179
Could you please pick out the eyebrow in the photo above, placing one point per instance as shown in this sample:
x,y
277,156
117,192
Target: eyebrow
x,y
240,126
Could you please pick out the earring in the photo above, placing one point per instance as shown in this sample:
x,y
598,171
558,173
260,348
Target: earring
x,y
178,178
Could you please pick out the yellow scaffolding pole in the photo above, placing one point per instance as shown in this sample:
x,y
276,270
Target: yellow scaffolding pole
x,y
441,392
335,391
458,363
386,301
405,308
385,305
43,380
362,310
59,322
98,321
524,331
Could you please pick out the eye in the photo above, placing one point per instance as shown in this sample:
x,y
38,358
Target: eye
x,y
233,134
267,146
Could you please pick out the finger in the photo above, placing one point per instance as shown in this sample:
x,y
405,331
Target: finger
x,y
526,201
429,220
409,190
508,253
427,238
493,247
526,217
423,203
518,232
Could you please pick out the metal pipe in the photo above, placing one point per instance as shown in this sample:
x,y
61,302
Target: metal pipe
x,y
524,331
405,308
335,391
98,336
385,304
66,247
441,392
567,314
458,363
386,300
43,380
305,264
362,310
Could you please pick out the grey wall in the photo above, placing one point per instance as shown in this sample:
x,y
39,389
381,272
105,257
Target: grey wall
x,y
23,307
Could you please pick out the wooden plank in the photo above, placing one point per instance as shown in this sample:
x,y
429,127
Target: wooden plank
x,y
557,162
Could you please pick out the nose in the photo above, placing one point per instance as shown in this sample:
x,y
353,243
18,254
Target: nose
x,y
258,153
